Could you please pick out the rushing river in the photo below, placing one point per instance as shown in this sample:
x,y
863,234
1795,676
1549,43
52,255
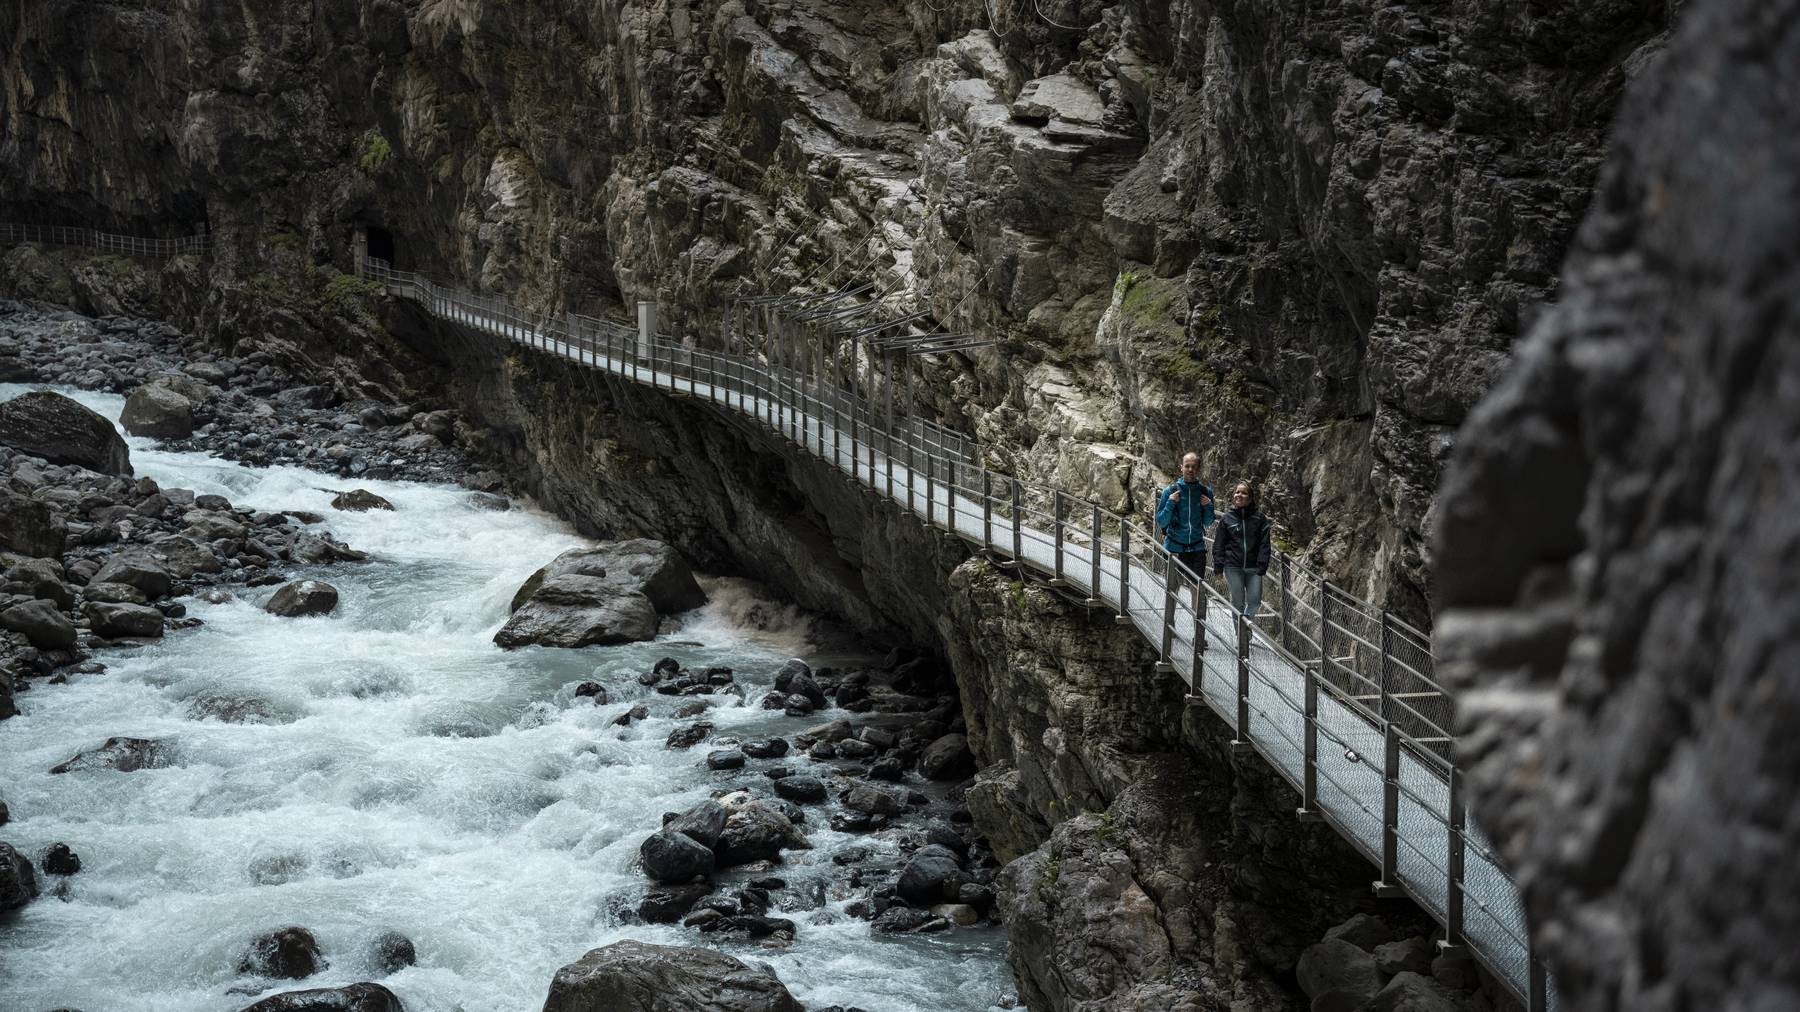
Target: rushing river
x,y
413,777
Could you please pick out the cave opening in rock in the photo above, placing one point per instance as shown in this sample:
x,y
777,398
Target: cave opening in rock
x,y
381,244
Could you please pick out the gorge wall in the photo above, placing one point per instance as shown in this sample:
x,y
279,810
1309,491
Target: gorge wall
x,y
1297,239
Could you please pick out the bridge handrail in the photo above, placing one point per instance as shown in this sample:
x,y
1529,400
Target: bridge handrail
x,y
87,238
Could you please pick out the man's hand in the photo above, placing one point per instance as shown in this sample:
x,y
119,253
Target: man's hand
x,y
1175,496
1206,500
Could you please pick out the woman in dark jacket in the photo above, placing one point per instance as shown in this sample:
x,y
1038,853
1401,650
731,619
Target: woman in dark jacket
x,y
1241,548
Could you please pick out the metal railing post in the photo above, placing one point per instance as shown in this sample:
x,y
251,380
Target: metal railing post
x,y
1537,997
987,510
1453,864
1124,571
1324,628
1018,524
950,495
1094,557
1056,509
1387,648
1390,813
1242,730
1287,601
1309,781
1168,622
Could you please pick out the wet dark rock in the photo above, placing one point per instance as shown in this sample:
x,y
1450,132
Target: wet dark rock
x,y
851,748
41,622
136,569
755,831
18,883
302,598
114,620
703,823
290,953
594,690
802,789
1408,955
41,578
931,875
887,768
762,926
633,976
489,501
689,736
572,610
897,920
391,952
820,750
674,857
51,426
789,670
947,758
359,501
1365,931
125,755
1413,992
804,685
851,822
159,411
766,748
114,593
60,860
797,705
725,759
1337,964
30,527
872,801
361,997
671,904
641,566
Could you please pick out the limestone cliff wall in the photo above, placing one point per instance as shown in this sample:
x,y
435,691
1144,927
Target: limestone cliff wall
x,y
1298,238
1628,663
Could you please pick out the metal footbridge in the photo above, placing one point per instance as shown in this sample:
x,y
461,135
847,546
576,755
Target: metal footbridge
x,y
1337,695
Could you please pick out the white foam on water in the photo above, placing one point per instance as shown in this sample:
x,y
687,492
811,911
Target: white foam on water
x,y
409,776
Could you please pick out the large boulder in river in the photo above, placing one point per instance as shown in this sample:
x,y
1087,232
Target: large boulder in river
x,y
363,997
123,754
18,883
290,952
158,411
51,426
29,527
755,831
115,620
674,857
632,976
303,597
136,569
650,568
571,610
46,627
359,500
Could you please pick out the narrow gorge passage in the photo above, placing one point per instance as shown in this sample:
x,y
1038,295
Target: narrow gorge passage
x,y
405,774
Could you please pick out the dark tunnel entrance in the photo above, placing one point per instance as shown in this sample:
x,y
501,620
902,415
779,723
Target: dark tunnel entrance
x,y
381,245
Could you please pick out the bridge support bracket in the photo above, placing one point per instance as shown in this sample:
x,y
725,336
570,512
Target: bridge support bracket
x,y
1121,619
1387,890
1308,815
1242,746
1194,699
1056,583
1094,602
1164,668
1455,950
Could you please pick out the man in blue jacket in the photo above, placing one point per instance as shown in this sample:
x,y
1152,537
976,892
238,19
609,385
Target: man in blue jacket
x,y
1184,510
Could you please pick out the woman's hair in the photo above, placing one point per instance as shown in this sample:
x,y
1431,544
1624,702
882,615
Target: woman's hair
x,y
1255,492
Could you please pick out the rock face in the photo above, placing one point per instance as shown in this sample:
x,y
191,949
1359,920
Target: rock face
x,y
290,953
1625,666
636,977
29,527
1298,237
41,622
647,567
363,997
61,431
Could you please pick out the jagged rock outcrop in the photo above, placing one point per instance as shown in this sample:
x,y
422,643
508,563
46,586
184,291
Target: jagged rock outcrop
x,y
1626,660
1298,239
51,426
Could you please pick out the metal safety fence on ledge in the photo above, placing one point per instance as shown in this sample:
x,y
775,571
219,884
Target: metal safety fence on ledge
x,y
106,242
1336,694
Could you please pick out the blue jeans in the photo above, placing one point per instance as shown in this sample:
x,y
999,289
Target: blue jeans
x,y
1245,586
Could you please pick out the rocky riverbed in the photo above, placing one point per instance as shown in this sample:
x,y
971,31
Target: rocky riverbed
x,y
335,765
